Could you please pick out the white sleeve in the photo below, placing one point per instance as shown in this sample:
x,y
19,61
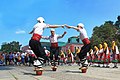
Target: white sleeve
x,y
117,51
46,26
46,37
35,26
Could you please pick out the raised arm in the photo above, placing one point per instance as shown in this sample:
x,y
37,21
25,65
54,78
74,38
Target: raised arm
x,y
64,34
60,36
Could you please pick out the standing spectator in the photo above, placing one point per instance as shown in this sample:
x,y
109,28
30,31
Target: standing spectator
x,y
7,58
16,57
1,59
23,58
19,59
27,58
11,58
4,56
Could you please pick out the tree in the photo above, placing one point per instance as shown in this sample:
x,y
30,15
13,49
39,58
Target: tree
x,y
117,24
104,33
10,47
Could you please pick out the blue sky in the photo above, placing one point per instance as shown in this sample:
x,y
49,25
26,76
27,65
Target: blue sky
x,y
17,17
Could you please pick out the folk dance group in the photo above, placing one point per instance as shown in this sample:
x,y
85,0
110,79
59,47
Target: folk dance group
x,y
104,55
37,35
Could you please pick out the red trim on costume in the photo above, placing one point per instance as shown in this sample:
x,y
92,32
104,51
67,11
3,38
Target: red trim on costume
x,y
86,41
55,45
33,55
36,37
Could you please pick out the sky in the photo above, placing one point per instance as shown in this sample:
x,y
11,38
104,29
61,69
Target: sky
x,y
17,17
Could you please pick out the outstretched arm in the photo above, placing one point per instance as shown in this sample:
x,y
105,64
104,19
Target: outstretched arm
x,y
73,27
56,26
45,37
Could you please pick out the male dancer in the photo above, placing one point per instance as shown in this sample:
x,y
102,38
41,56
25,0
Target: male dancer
x,y
34,42
54,49
87,46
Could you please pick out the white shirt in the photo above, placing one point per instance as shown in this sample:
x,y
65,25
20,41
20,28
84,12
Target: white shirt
x,y
39,27
53,39
83,34
46,51
30,51
117,50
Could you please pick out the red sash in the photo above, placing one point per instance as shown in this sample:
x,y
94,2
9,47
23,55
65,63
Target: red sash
x,y
55,45
86,41
36,37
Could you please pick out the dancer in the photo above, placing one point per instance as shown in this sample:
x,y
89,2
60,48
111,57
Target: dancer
x,y
96,50
34,42
87,46
70,57
106,56
115,54
100,54
54,49
77,51
90,57
62,57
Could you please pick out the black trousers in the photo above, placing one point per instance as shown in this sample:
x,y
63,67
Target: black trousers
x,y
55,52
84,50
37,49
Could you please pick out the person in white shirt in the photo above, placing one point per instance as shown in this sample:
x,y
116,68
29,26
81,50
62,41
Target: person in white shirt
x,y
34,42
87,46
54,49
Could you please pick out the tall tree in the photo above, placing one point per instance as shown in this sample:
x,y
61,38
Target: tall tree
x,y
117,24
10,47
104,33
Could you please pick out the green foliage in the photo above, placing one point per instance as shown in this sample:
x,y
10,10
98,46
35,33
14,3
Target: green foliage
x,y
10,47
117,24
104,33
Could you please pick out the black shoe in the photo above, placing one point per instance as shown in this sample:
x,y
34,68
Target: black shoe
x,y
115,67
107,66
53,63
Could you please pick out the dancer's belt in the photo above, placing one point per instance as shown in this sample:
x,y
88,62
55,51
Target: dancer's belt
x,y
36,37
86,41
54,45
